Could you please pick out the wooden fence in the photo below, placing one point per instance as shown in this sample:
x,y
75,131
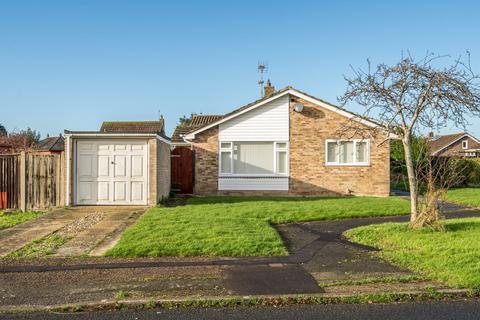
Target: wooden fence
x,y
9,178
32,180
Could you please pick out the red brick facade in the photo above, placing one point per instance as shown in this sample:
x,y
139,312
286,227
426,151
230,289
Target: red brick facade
x,y
308,173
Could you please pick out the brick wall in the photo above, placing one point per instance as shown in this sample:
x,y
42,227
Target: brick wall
x,y
308,173
206,162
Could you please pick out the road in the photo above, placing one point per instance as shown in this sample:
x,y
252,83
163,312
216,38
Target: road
x,y
438,310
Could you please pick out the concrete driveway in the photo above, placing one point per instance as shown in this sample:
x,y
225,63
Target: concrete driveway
x,y
89,229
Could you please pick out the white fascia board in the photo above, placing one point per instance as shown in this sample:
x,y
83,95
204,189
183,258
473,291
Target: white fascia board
x,y
164,140
110,135
294,93
116,135
333,108
454,141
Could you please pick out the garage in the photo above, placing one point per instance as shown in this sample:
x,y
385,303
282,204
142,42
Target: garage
x,y
113,168
111,172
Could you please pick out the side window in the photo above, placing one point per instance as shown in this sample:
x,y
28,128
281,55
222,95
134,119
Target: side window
x,y
347,152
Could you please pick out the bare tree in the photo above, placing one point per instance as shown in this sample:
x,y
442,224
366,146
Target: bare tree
x,y
410,96
23,139
434,176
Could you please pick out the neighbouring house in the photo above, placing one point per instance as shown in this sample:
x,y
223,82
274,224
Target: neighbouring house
x,y
286,143
50,145
460,144
124,163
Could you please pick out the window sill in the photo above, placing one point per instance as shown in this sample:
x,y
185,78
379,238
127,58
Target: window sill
x,y
246,176
347,164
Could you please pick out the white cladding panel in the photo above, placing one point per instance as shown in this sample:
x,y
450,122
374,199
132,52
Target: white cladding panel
x,y
269,122
253,183
111,171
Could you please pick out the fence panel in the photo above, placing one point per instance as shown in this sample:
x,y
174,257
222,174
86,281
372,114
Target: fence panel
x,y
9,184
42,184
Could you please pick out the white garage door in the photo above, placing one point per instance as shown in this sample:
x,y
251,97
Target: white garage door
x,y
111,172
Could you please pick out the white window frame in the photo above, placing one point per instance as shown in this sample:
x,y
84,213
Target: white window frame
x,y
464,144
276,149
222,150
354,163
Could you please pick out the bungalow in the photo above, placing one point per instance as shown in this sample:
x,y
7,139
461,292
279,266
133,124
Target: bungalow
x,y
460,144
286,143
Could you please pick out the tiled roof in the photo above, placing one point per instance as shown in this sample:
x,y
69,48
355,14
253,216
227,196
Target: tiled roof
x,y
134,127
196,122
442,141
277,93
51,144
200,119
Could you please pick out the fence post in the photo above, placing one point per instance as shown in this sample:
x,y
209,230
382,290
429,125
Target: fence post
x,y
22,182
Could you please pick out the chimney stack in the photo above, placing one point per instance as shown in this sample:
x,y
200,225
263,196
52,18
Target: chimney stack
x,y
430,135
269,89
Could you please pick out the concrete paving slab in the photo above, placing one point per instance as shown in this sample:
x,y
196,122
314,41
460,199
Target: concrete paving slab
x,y
14,238
115,219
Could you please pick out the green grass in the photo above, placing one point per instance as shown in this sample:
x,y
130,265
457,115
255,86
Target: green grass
x,y
466,196
40,248
389,279
238,226
10,219
452,257
120,295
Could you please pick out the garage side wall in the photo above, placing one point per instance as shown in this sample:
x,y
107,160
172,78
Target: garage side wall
x,y
163,170
68,179
152,172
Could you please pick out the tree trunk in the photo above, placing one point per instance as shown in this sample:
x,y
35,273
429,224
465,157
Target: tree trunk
x,y
412,178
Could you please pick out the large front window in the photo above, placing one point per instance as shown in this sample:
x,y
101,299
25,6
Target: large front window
x,y
253,158
347,152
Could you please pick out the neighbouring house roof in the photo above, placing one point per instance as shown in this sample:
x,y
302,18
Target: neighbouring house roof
x,y
277,94
197,121
51,144
156,127
439,143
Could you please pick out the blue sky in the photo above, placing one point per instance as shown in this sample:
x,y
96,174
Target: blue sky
x,y
73,64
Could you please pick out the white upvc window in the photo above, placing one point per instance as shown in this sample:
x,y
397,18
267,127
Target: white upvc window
x,y
253,158
226,152
465,144
281,158
347,152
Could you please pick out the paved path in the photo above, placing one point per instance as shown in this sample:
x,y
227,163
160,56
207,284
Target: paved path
x,y
16,237
101,236
434,310
115,218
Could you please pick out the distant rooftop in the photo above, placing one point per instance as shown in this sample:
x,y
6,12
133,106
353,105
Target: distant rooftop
x,y
197,121
153,127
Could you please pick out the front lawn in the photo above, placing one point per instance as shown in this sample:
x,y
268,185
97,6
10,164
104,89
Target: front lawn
x,y
452,257
11,219
238,226
466,196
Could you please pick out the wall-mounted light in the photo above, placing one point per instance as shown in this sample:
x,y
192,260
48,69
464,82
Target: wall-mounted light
x,y
298,107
